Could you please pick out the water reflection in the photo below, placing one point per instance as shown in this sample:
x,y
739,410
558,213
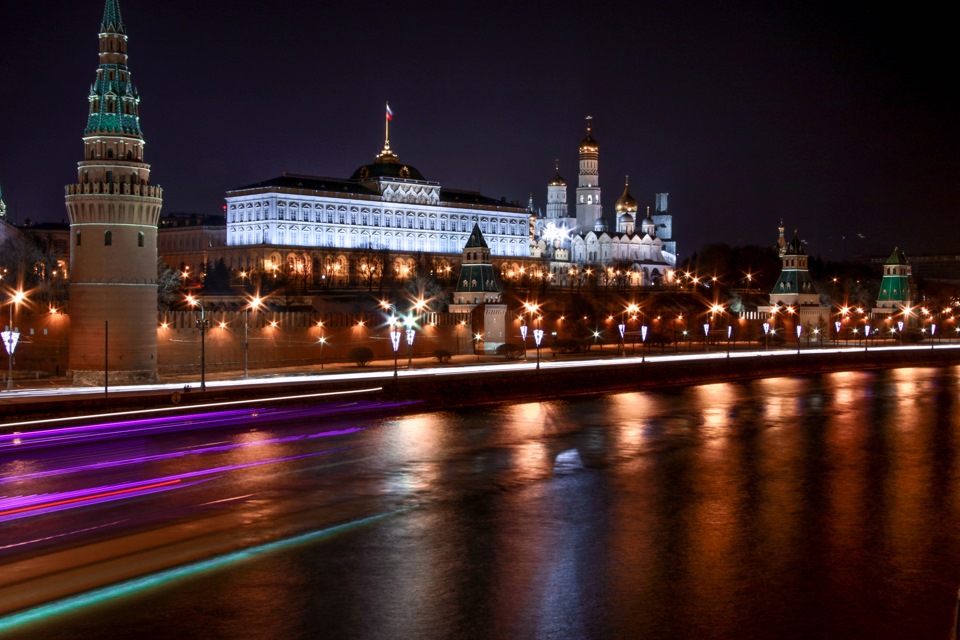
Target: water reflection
x,y
820,507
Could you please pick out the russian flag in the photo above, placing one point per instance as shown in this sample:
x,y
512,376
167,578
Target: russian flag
x,y
389,112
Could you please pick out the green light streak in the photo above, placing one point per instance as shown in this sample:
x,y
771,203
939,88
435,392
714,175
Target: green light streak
x,y
128,587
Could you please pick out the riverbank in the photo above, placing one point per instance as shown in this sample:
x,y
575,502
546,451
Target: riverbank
x,y
463,383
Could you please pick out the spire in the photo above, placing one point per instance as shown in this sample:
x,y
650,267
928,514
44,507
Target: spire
x,y
111,18
589,145
386,155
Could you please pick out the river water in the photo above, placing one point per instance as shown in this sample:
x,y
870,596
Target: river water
x,y
814,507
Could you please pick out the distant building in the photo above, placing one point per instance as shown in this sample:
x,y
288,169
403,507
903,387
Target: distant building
x,y
478,292
386,205
191,240
639,252
897,290
795,290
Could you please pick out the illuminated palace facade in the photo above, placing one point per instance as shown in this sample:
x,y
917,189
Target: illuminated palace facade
x,y
386,205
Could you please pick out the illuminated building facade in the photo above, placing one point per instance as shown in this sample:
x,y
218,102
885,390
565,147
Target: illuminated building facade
x,y
639,252
385,205
113,212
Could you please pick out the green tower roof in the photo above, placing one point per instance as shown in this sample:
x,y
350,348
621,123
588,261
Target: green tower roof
x,y
896,257
476,240
111,18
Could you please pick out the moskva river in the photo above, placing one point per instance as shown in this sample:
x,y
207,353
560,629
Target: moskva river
x,y
814,507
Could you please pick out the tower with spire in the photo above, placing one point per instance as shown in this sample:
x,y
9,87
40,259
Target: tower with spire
x,y
3,207
897,290
589,213
478,292
114,210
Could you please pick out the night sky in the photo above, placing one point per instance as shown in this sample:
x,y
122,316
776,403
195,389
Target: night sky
x,y
836,117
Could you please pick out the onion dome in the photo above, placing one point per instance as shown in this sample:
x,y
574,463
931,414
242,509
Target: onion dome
x,y
557,181
648,226
589,145
626,202
625,218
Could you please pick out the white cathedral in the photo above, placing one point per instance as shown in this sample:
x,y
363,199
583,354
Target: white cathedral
x,y
641,252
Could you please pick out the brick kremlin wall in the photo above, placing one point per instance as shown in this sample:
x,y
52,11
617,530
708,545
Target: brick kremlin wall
x,y
277,339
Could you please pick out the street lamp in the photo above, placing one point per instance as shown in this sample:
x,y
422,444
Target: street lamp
x,y
643,344
532,308
11,336
537,337
202,323
411,334
252,305
523,336
706,337
766,336
322,341
799,331
395,342
393,322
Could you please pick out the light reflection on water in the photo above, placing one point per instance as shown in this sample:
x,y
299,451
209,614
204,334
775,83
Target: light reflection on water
x,y
822,507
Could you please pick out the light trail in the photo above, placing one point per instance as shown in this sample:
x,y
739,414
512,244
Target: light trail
x,y
19,507
74,603
197,407
60,535
174,454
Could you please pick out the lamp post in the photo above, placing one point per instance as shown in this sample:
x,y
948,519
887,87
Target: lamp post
x,y
706,337
395,343
537,337
11,336
799,331
532,308
411,334
766,336
253,304
866,337
729,335
202,323
523,336
393,323
643,344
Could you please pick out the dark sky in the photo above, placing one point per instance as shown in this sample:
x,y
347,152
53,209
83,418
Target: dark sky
x,y
836,116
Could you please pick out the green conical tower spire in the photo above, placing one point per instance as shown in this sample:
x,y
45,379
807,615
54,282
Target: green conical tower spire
x,y
112,22
114,103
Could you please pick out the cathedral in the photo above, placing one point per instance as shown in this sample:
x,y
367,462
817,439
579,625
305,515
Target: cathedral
x,y
638,252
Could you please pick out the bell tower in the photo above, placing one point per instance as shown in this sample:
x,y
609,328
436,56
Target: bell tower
x,y
589,213
114,210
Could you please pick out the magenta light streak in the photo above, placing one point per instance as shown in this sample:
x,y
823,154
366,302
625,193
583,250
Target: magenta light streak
x,y
26,506
146,426
176,454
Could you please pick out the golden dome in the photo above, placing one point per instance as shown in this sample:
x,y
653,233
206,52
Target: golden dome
x,y
626,203
557,180
589,145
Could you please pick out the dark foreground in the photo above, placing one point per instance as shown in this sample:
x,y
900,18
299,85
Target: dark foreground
x,y
813,507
